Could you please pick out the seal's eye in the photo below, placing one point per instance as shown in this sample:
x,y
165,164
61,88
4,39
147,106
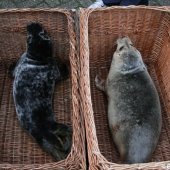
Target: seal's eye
x,y
29,36
44,36
121,48
41,34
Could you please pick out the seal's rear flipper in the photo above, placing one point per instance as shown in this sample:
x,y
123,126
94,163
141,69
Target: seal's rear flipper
x,y
56,140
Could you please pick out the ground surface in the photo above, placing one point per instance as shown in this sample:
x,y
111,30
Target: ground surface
x,y
60,3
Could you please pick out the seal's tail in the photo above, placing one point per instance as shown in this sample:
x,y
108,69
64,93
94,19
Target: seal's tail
x,y
56,141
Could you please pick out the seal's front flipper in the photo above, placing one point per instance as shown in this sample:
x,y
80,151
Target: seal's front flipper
x,y
13,66
64,70
11,70
100,83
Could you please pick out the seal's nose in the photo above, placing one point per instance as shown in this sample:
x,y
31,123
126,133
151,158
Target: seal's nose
x,y
128,43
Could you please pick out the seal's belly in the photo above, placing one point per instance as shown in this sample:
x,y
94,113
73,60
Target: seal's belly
x,y
132,99
33,91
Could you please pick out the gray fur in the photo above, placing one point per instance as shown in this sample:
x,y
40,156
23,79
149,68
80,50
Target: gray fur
x,y
134,112
35,76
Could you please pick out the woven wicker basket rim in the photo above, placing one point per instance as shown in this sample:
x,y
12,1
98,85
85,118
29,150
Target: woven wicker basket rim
x,y
158,8
62,10
75,157
96,158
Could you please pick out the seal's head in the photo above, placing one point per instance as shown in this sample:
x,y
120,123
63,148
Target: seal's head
x,y
39,45
126,57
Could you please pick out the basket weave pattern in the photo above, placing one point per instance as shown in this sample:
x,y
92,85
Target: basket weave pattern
x,y
17,149
149,29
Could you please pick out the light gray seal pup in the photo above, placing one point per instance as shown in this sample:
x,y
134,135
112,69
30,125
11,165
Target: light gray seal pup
x,y
134,112
35,76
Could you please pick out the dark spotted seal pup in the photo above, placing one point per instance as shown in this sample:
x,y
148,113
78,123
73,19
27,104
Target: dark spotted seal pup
x,y
134,112
35,76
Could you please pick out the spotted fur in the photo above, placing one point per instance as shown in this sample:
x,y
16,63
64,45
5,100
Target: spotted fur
x,y
35,76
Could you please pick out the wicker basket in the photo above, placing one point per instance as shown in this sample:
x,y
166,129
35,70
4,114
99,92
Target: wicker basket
x,y
149,29
17,149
